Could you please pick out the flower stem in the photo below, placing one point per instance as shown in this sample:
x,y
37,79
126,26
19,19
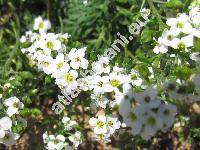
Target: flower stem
x,y
162,26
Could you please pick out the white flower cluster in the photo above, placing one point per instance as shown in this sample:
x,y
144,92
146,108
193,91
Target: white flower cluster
x,y
106,80
60,142
7,136
148,114
54,142
183,29
49,52
104,126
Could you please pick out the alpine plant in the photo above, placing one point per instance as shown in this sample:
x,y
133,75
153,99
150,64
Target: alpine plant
x,y
139,105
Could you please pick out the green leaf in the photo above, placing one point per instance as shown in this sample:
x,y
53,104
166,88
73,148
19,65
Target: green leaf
x,y
146,35
197,44
48,79
35,112
183,72
24,112
18,128
26,75
174,4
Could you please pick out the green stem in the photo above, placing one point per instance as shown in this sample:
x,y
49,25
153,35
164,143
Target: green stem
x,y
162,26
128,53
61,24
161,2
143,2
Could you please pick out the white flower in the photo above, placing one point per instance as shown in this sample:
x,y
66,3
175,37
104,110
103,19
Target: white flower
x,y
125,100
124,107
148,98
100,84
41,25
68,124
135,79
9,139
50,42
23,39
99,124
181,24
195,56
5,124
101,66
68,79
13,104
117,69
183,43
152,125
65,119
113,124
77,58
59,65
118,79
194,16
167,38
135,119
44,63
167,113
195,33
54,142
99,100
76,139
65,36
84,83
160,49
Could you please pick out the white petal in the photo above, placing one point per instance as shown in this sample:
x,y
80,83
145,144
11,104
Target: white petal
x,y
5,123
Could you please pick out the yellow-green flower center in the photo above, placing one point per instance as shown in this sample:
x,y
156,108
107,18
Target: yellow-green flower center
x,y
100,124
110,123
6,137
170,37
45,63
182,46
115,83
60,65
151,120
77,59
56,142
180,25
16,105
100,83
101,136
50,45
41,25
133,116
105,65
69,77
